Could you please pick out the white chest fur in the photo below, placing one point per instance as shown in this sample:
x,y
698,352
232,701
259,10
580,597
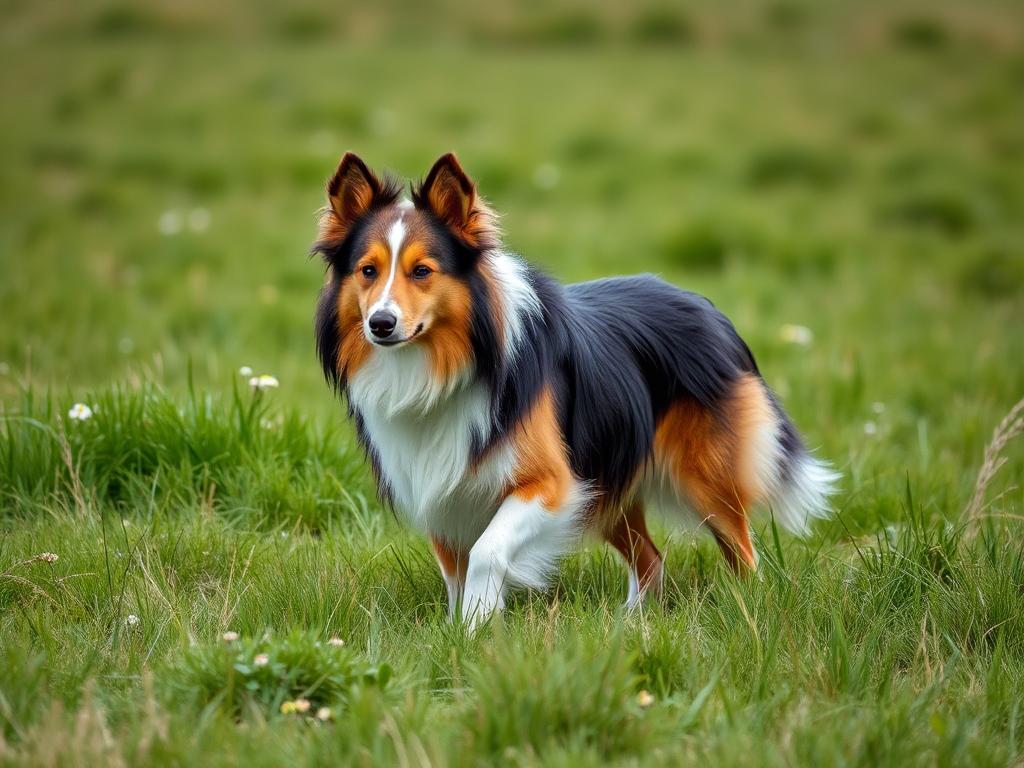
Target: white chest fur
x,y
423,435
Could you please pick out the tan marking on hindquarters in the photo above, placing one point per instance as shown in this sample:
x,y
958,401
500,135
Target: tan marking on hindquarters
x,y
710,460
628,534
754,422
542,464
453,561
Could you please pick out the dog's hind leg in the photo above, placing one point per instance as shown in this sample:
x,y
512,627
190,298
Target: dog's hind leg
x,y
629,536
715,462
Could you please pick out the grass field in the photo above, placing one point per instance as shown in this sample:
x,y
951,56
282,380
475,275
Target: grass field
x,y
853,169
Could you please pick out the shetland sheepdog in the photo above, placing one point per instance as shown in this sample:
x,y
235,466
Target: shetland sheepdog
x,y
506,415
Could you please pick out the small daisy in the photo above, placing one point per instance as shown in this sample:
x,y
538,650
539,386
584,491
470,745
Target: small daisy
x,y
169,223
245,371
131,620
302,705
336,642
80,412
644,699
263,381
47,557
870,428
800,335
324,714
229,636
260,660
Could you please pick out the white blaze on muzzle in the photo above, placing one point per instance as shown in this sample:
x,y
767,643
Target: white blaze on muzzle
x,y
396,237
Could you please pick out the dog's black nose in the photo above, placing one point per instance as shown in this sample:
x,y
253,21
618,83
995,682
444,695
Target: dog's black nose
x,y
382,324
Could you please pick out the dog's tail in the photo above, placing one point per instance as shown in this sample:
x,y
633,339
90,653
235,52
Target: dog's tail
x,y
798,485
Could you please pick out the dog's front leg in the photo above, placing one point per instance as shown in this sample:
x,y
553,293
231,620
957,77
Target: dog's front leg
x,y
520,547
453,561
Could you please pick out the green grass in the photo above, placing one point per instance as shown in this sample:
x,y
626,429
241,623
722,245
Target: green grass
x,y
848,167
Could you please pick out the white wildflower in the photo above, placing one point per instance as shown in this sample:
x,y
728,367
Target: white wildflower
x,y
260,660
800,335
324,714
229,636
131,620
263,381
244,371
47,557
644,699
870,428
169,223
336,642
80,412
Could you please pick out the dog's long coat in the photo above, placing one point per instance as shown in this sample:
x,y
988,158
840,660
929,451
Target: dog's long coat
x,y
505,415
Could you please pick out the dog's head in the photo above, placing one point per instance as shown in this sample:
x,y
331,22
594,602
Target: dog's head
x,y
400,270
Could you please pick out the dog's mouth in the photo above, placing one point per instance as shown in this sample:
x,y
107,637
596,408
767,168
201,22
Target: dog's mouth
x,y
397,342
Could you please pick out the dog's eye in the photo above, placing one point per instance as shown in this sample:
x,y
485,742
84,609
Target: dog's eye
x,y
369,272
420,271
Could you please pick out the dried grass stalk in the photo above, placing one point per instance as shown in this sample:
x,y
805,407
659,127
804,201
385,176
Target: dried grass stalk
x,y
1011,426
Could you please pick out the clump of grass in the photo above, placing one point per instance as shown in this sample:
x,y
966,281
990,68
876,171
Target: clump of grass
x,y
569,28
923,33
240,454
996,272
296,674
793,164
303,25
1010,427
937,207
122,21
662,26
700,245
784,15
579,695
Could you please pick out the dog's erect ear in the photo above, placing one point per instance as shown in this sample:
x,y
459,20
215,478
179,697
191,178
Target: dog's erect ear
x,y
449,192
352,191
451,196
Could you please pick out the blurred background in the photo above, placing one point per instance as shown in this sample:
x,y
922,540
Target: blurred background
x,y
844,179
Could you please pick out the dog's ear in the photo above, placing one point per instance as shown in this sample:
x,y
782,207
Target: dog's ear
x,y
352,191
451,195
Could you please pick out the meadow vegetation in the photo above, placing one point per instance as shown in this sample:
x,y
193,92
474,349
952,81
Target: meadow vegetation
x,y
200,573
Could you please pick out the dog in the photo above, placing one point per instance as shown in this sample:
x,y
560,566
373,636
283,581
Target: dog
x,y
506,415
